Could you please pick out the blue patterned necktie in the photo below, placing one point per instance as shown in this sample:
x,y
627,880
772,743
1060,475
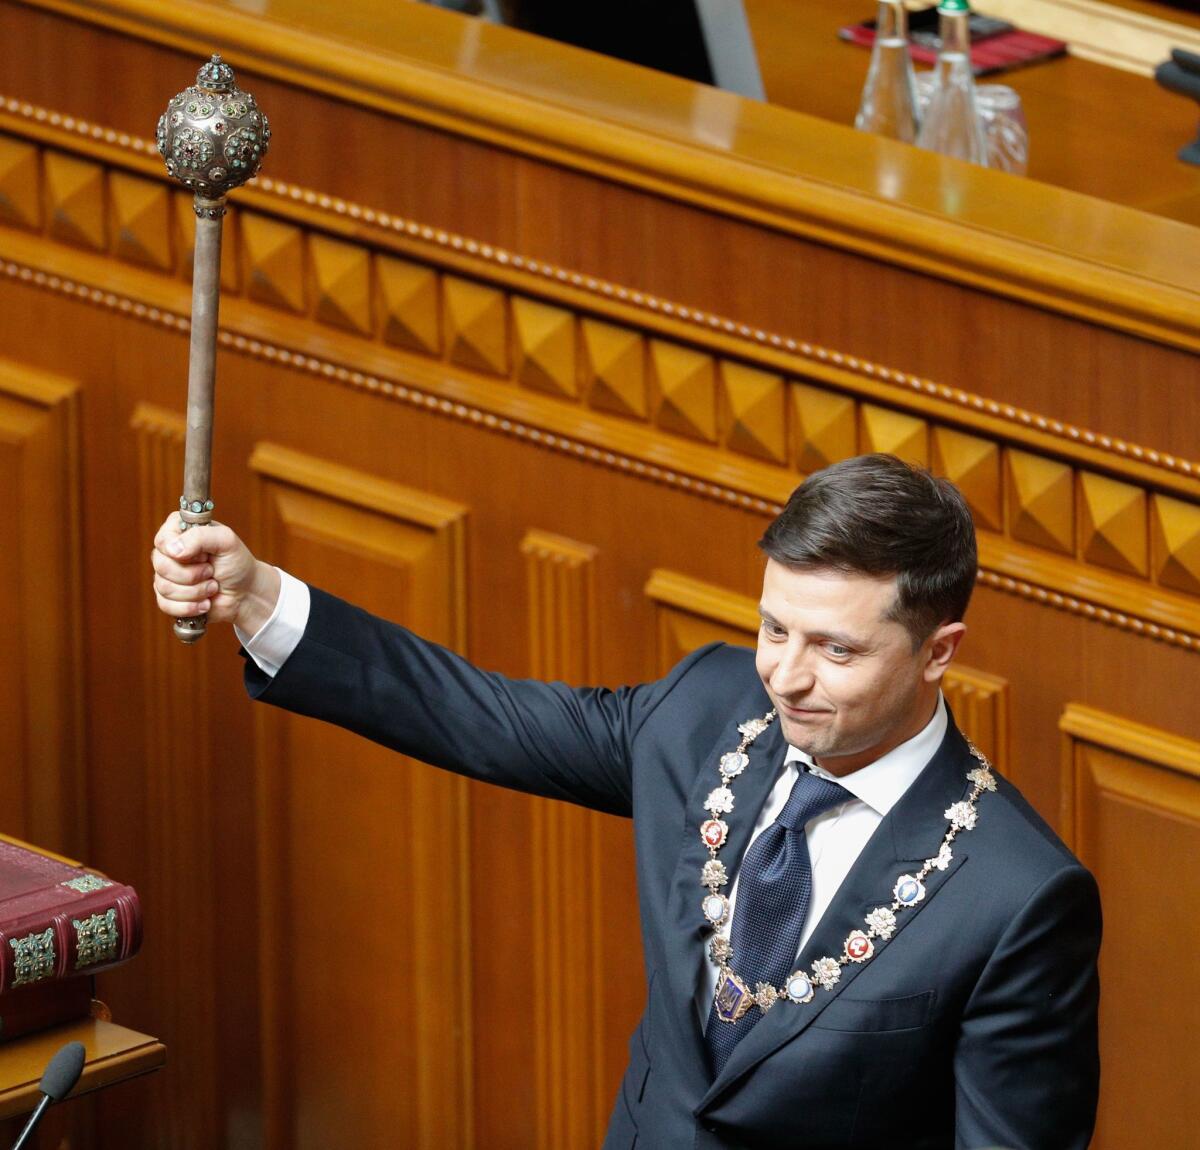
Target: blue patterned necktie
x,y
774,886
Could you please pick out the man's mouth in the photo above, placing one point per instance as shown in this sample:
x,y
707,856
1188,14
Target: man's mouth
x,y
801,712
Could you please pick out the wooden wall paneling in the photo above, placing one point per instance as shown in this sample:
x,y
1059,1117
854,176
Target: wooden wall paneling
x,y
141,221
20,183
1042,490
1175,531
826,426
1113,523
685,383
614,368
476,325
374,276
691,613
805,179
972,464
567,846
363,855
545,342
76,200
273,257
980,705
409,301
1131,812
757,411
42,623
181,831
885,429
342,275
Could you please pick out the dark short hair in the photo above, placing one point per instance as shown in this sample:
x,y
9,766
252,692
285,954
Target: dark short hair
x,y
877,515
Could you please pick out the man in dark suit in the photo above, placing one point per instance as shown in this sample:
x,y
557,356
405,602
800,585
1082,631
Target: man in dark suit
x,y
855,933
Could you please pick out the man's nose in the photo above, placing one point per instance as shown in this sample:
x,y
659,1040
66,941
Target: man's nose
x,y
793,675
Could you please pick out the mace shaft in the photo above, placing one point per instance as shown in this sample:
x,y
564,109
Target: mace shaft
x,y
202,375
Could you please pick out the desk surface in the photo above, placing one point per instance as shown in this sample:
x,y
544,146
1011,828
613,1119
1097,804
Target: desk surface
x,y
1092,129
113,1054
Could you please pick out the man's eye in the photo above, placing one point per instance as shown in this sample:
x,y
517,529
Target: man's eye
x,y
837,650
773,630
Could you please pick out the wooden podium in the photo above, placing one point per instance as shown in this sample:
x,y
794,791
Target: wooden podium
x,y
113,1055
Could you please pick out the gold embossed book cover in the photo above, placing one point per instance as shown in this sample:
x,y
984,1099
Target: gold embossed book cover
x,y
60,920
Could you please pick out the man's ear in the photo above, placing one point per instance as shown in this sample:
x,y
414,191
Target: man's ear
x,y
942,645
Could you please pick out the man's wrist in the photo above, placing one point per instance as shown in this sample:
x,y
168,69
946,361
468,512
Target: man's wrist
x,y
259,603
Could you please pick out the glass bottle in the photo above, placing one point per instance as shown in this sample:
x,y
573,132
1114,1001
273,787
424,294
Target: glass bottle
x,y
889,99
951,124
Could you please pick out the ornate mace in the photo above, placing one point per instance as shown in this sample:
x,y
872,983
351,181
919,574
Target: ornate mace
x,y
214,138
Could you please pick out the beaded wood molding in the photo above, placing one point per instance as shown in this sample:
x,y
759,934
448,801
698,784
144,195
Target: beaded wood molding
x,y
598,370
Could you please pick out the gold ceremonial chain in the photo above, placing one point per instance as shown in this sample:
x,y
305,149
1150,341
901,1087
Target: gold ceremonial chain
x,y
733,997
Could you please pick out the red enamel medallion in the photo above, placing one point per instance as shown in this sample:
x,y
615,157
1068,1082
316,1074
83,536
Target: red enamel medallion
x,y
859,947
713,832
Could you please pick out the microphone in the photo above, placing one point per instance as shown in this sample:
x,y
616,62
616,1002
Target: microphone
x,y
62,1073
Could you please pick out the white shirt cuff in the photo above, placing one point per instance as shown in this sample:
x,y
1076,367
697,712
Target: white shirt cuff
x,y
278,637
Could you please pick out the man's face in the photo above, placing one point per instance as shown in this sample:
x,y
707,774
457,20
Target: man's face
x,y
844,678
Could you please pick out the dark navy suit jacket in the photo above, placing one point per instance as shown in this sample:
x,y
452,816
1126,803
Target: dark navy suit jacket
x,y
973,1026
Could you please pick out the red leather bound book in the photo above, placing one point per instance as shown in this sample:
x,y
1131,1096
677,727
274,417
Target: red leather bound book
x,y
58,919
46,1004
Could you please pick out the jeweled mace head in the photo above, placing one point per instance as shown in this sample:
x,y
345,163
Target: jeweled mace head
x,y
213,135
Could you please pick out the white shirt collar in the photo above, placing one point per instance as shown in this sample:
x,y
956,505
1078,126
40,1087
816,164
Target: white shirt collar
x,y
881,783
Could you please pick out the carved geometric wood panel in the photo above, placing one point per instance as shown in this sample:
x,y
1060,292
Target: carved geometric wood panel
x,y
342,277
1112,523
476,320
180,829
686,384
141,220
973,465
545,347
366,928
1175,530
568,846
614,365
75,200
758,424
826,427
1041,501
1132,814
273,261
42,787
894,432
409,295
20,178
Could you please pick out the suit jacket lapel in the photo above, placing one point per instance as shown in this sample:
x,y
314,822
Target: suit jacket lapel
x,y
911,832
687,928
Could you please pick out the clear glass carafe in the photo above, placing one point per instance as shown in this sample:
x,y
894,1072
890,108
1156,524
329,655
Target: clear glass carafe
x,y
951,124
889,98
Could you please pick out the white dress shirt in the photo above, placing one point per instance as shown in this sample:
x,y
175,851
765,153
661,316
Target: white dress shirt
x,y
277,638
835,838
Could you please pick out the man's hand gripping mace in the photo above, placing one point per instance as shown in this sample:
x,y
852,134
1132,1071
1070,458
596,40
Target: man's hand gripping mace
x,y
213,137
